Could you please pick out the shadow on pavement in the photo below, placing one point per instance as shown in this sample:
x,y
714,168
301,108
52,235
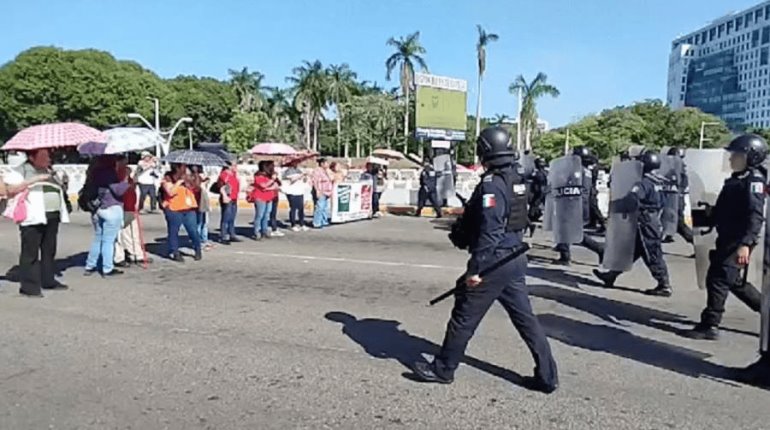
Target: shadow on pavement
x,y
384,339
621,343
610,310
62,265
562,277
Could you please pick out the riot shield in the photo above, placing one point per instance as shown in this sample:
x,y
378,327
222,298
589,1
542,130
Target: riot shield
x,y
564,201
623,216
707,171
670,170
526,165
634,151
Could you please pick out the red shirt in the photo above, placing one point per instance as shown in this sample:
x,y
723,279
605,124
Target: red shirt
x,y
261,191
228,177
130,199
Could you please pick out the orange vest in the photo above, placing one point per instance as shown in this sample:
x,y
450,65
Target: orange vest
x,y
182,199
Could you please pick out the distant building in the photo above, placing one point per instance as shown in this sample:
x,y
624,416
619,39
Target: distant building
x,y
722,68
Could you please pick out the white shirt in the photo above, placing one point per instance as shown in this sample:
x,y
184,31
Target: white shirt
x,y
35,201
298,188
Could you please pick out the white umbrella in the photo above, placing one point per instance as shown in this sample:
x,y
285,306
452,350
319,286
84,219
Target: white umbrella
x,y
124,139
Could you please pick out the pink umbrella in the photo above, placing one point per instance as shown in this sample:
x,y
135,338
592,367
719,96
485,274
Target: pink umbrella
x,y
55,135
272,148
299,157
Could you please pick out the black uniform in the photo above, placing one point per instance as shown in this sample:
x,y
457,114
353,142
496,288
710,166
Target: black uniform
x,y
537,184
737,216
428,191
647,196
497,213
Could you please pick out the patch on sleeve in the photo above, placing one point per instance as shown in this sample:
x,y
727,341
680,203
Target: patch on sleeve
x,y
635,189
757,187
488,201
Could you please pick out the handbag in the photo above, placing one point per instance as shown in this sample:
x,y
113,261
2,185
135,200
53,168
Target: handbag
x,y
17,208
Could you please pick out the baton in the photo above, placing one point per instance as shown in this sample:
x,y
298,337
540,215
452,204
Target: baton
x,y
515,253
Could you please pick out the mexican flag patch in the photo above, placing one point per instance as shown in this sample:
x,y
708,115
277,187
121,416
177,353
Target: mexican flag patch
x,y
488,201
757,187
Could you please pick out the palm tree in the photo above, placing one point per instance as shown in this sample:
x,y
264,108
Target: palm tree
x,y
341,86
530,92
278,110
481,53
499,119
310,97
408,52
248,88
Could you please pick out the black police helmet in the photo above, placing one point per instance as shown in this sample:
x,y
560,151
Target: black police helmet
x,y
540,163
650,161
676,151
752,145
494,146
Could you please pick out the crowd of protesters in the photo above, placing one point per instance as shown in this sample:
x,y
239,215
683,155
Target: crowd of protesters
x,y
115,195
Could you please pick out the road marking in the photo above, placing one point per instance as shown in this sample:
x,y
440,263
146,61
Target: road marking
x,y
345,260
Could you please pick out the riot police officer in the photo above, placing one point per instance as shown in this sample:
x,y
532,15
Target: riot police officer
x,y
682,228
737,217
646,198
587,159
538,182
428,190
595,217
495,218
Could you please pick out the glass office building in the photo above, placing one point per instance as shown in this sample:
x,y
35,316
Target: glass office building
x,y
723,68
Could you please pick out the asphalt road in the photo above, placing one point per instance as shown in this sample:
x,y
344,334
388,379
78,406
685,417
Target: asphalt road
x,y
314,330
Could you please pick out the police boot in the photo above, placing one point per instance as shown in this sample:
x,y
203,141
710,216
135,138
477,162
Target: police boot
x,y
608,278
537,384
426,372
702,332
668,239
757,374
662,290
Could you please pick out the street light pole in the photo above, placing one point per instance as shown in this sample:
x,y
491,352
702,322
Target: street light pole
x,y
703,125
190,132
518,121
165,147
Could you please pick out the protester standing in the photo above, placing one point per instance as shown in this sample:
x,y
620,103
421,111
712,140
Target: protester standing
x,y
294,186
46,209
180,208
274,207
129,248
204,206
108,218
323,187
148,175
228,188
262,194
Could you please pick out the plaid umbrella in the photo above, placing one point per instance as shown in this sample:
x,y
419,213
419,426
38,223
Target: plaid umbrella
x,y
123,139
299,157
194,158
55,135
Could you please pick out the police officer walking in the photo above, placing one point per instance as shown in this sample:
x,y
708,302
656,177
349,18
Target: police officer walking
x,y
428,190
646,197
565,256
538,182
595,217
738,217
496,218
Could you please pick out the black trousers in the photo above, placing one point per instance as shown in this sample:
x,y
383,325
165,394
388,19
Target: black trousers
x,y
37,261
296,210
506,285
651,252
723,277
148,190
588,243
428,195
682,228
594,213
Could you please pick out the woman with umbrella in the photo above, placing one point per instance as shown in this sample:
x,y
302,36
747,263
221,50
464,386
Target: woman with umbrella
x,y
34,184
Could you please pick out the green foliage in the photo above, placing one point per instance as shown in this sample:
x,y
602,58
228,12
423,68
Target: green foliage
x,y
648,123
245,130
207,101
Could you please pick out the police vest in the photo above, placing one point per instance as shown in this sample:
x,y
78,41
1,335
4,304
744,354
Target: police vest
x,y
518,198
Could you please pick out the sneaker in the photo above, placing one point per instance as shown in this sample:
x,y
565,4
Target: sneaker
x,y
608,278
296,229
114,272
305,228
277,233
660,291
426,372
89,272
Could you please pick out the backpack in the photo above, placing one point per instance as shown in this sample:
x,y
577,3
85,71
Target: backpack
x,y
88,198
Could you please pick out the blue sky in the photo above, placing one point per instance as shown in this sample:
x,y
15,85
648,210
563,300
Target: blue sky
x,y
599,53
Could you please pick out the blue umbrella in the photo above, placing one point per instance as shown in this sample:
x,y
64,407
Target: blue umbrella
x,y
193,158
